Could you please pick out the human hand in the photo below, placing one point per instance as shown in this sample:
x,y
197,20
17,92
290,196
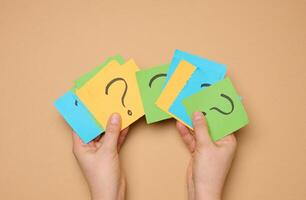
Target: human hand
x,y
99,161
210,161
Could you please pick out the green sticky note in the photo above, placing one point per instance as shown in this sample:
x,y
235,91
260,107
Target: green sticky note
x,y
222,107
83,79
150,82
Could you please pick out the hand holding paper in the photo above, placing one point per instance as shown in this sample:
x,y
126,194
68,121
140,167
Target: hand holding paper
x,y
222,107
113,89
190,83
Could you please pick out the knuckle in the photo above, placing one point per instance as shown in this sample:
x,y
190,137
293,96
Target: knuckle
x,y
75,151
199,123
108,149
198,126
112,128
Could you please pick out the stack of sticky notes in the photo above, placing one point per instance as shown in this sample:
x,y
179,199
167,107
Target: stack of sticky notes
x,y
111,87
189,83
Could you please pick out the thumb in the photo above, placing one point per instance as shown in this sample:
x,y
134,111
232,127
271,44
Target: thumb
x,y
112,132
201,130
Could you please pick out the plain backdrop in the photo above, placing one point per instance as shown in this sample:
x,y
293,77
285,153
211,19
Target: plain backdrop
x,y
46,45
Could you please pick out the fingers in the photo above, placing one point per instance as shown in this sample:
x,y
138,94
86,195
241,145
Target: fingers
x,y
201,131
229,140
187,137
122,137
112,132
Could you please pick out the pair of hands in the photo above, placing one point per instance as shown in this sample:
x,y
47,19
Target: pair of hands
x,y
206,173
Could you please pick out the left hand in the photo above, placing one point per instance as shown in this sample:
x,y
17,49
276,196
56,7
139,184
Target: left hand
x,y
99,161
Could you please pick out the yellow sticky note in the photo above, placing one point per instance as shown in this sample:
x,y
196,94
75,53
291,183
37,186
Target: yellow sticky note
x,y
174,86
113,89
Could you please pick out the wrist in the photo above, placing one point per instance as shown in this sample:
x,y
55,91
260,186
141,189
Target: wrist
x,y
207,195
106,195
96,197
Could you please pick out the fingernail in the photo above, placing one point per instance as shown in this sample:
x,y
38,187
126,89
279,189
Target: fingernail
x,y
197,115
115,118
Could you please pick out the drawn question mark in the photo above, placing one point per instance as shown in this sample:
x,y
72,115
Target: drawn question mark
x,y
221,111
156,77
205,85
129,112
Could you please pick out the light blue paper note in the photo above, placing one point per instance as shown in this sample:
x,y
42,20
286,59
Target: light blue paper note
x,y
78,117
207,73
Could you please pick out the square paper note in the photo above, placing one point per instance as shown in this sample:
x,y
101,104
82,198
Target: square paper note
x,y
113,89
174,86
78,117
150,82
222,107
206,73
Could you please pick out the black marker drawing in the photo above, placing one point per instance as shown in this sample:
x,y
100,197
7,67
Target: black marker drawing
x,y
156,77
221,111
124,92
205,85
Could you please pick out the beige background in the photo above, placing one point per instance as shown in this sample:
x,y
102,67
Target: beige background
x,y
45,45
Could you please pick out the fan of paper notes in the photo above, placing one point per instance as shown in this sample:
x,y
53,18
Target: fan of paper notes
x,y
189,83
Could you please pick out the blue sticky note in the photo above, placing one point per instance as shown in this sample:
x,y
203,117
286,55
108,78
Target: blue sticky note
x,y
207,73
78,117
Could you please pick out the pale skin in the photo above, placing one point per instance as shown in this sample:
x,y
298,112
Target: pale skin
x,y
206,174
209,163
99,161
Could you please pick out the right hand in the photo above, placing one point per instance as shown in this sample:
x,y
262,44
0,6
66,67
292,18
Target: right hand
x,y
210,162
